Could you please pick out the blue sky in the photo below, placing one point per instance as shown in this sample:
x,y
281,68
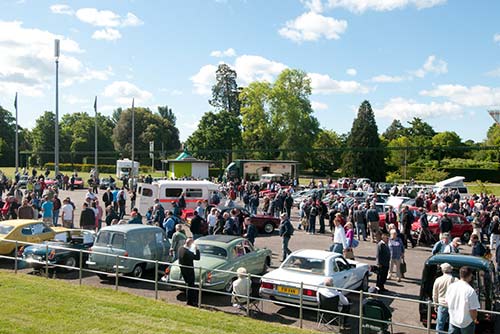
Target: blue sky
x,y
434,59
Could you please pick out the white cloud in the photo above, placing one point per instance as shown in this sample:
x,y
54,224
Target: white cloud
x,y
317,106
475,96
432,65
88,74
496,38
352,72
312,26
324,84
494,73
360,6
123,92
256,68
99,18
131,20
224,53
61,9
108,34
27,60
204,79
313,5
404,109
71,99
387,78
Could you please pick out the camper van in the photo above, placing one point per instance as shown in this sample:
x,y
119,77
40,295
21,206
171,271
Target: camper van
x,y
453,183
124,168
168,191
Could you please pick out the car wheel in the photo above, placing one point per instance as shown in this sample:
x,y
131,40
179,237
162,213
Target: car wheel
x,y
103,276
364,284
138,271
466,237
269,228
267,264
70,262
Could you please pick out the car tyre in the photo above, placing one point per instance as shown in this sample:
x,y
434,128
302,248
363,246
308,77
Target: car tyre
x,y
70,262
138,271
364,283
268,227
466,236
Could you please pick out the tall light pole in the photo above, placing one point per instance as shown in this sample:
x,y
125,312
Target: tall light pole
x,y
56,132
17,137
96,172
133,145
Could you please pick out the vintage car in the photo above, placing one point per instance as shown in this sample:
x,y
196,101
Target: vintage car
x,y
78,183
135,241
263,223
484,282
72,240
106,183
462,228
311,267
221,256
22,230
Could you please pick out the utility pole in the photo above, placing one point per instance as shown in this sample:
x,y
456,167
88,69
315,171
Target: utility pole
x,y
56,144
133,145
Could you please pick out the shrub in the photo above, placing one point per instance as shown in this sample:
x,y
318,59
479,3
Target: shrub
x,y
432,174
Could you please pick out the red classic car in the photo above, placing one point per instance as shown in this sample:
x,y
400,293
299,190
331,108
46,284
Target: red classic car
x,y
462,228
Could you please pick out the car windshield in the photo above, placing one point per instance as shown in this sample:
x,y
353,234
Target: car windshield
x,y
5,229
103,238
313,266
212,250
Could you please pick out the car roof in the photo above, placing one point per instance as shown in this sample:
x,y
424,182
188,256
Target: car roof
x,y
19,222
315,254
219,238
129,227
459,260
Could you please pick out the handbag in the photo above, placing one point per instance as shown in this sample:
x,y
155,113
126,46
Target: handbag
x,y
349,254
402,267
354,243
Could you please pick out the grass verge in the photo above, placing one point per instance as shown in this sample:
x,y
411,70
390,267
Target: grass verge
x,y
39,305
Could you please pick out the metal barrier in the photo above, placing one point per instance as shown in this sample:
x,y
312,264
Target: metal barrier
x,y
249,298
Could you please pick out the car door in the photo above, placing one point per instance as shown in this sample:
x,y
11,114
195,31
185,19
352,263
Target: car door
x,y
252,259
100,250
116,247
343,276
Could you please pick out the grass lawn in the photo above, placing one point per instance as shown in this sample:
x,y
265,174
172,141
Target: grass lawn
x,y
38,305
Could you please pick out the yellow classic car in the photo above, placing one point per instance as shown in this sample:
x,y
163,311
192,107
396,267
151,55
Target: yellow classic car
x,y
23,230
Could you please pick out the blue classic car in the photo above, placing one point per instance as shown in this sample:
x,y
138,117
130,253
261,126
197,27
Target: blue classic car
x,y
73,240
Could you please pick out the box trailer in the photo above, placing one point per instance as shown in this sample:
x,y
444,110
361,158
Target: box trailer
x,y
251,170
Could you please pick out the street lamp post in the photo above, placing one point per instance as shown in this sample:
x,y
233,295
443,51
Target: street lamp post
x,y
56,144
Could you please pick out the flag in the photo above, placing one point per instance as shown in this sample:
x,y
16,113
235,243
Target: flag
x,y
95,105
15,102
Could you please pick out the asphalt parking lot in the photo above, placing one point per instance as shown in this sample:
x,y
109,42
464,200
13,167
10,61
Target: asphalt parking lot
x,y
403,311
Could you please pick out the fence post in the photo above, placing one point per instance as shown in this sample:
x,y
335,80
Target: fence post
x,y
429,306
200,283
301,296
81,268
116,273
47,261
15,260
360,311
156,279
249,286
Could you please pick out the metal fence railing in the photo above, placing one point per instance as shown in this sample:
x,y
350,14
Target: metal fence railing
x,y
250,298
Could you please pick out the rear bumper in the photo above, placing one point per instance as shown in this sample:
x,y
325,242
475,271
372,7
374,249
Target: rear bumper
x,y
282,297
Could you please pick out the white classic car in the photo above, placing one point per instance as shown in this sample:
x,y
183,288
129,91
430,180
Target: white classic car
x,y
311,267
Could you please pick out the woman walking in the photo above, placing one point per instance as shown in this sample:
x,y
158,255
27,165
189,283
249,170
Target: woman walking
x,y
397,254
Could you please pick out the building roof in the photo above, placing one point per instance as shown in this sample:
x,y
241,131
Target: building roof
x,y
185,156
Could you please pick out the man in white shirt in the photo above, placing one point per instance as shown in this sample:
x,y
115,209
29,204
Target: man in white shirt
x,y
67,214
463,304
439,289
452,247
90,195
328,292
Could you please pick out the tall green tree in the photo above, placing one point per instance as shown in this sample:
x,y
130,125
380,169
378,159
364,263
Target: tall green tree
x,y
447,140
364,157
148,127
7,137
257,132
225,91
217,134
292,116
395,130
326,159
43,138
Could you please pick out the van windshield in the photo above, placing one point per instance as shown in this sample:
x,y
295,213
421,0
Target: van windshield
x,y
103,238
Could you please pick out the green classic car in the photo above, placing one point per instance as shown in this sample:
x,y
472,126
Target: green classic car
x,y
221,256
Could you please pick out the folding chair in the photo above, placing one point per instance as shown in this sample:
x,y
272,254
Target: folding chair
x,y
376,310
326,318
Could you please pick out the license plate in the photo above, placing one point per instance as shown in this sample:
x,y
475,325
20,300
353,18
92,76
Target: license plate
x,y
290,291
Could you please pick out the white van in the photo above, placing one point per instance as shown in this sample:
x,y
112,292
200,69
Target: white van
x,y
168,191
453,183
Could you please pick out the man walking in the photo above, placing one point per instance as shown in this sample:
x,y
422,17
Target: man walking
x,y
439,295
463,304
187,255
407,219
383,261
286,232
87,218
372,219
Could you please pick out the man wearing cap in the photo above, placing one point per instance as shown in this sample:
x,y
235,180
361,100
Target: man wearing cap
x,y
452,247
439,295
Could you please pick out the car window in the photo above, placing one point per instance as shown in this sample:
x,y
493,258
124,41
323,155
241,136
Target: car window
x,y
146,192
118,241
341,264
212,250
247,246
304,264
62,237
88,238
238,250
5,229
456,220
173,192
39,228
194,193
103,238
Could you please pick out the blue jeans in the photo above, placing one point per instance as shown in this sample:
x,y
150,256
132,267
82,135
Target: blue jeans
x,y
337,248
361,230
55,217
467,330
253,210
312,224
442,318
286,250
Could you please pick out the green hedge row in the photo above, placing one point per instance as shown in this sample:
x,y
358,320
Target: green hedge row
x,y
470,174
111,169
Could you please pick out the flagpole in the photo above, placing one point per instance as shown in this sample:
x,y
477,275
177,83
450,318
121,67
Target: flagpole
x,y
133,144
17,137
96,173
